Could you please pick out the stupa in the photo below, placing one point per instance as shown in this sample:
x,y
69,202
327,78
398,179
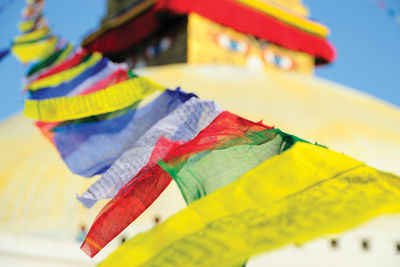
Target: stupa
x,y
260,34
156,33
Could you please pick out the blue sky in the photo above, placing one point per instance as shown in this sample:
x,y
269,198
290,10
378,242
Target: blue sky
x,y
367,40
366,37
71,19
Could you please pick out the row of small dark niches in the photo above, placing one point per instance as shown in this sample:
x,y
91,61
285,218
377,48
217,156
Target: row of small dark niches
x,y
365,245
334,243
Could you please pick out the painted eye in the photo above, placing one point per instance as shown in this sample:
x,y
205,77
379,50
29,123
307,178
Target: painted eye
x,y
233,45
269,57
285,63
280,61
151,51
242,47
165,44
223,40
156,49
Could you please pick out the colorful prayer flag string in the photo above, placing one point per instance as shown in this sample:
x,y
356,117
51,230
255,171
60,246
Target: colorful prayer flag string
x,y
305,192
389,10
249,187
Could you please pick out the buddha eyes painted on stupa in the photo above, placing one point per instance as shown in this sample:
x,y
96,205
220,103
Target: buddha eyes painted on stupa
x,y
209,42
263,35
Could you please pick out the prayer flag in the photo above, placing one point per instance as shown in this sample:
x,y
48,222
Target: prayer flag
x,y
90,148
4,53
79,56
301,194
60,54
80,83
185,122
138,194
113,98
28,52
65,75
208,171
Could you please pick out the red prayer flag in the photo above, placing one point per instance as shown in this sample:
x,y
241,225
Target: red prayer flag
x,y
64,65
117,76
141,191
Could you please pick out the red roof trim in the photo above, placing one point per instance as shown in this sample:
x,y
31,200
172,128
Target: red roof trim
x,y
122,38
226,12
247,20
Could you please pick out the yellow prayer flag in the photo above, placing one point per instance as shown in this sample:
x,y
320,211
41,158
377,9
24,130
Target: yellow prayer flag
x,y
65,75
35,35
64,54
26,25
29,52
305,192
113,98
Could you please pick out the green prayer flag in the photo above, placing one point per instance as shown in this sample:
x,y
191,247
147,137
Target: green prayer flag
x,y
209,170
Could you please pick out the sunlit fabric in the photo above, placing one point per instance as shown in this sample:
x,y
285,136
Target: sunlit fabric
x,y
80,83
117,76
65,75
77,57
45,128
51,60
90,148
66,87
314,102
305,192
226,130
31,52
91,80
115,97
208,171
26,25
138,194
32,37
4,53
183,123
32,24
132,200
95,119
33,9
